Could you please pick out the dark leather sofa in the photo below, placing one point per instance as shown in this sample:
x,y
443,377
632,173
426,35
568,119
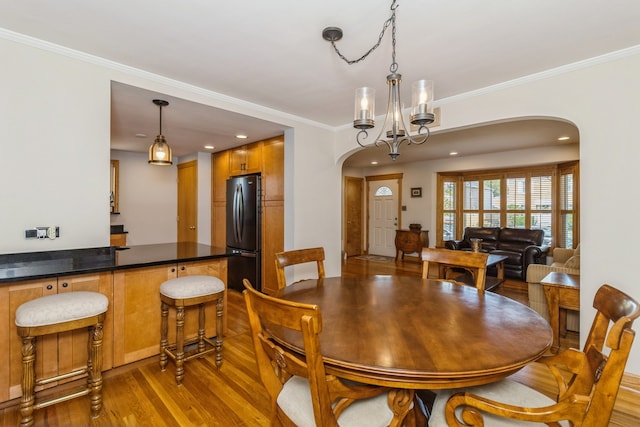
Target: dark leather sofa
x,y
522,246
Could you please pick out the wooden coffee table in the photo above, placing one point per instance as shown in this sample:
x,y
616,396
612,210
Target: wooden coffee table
x,y
562,291
490,282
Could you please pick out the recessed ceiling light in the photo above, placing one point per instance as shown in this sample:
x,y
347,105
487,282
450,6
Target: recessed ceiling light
x,y
209,147
241,136
453,153
141,135
374,163
564,138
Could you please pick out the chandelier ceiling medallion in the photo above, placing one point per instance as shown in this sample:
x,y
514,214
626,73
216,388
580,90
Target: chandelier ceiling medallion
x,y
421,95
159,151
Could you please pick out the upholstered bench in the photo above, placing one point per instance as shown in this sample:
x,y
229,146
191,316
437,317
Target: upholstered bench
x,y
185,292
50,315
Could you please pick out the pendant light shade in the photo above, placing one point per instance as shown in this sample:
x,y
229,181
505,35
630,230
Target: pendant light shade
x,y
159,151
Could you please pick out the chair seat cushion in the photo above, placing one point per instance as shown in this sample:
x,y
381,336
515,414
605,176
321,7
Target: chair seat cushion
x,y
295,401
191,287
505,391
60,308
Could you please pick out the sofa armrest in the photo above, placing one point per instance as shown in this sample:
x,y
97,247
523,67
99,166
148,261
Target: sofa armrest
x,y
536,272
456,244
534,255
561,255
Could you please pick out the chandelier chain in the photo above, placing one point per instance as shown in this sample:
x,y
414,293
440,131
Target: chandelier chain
x,y
391,21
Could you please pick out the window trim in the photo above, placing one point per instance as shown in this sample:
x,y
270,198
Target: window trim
x,y
553,170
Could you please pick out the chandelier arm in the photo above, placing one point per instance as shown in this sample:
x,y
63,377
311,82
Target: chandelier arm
x,y
423,136
362,131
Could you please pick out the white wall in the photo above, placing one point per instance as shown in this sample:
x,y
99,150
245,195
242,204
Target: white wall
x,y
148,199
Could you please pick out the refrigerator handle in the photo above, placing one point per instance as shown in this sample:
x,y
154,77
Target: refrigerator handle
x,y
238,213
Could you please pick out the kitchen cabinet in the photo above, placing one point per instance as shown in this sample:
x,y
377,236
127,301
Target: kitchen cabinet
x,y
136,297
220,173
271,167
119,239
57,353
245,159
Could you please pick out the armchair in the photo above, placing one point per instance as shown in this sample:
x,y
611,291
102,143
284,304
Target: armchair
x,y
564,261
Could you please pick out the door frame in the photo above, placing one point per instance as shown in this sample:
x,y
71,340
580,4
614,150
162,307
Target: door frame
x,y
369,179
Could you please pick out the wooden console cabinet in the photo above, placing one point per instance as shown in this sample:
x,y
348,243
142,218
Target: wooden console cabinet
x,y
409,241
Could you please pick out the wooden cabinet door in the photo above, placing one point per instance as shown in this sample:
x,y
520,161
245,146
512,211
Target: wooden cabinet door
x,y
246,159
273,169
46,347
272,243
220,174
136,314
72,346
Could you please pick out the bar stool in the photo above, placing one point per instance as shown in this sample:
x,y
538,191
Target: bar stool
x,y
50,315
184,292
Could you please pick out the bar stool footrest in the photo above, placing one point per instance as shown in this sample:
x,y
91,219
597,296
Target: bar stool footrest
x,y
77,372
62,398
210,347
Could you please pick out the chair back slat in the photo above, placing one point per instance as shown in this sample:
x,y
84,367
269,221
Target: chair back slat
x,y
298,256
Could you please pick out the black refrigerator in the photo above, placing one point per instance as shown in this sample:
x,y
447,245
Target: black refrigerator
x,y
244,231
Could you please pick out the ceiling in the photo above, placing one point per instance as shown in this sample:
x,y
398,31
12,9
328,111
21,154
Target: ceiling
x,y
271,53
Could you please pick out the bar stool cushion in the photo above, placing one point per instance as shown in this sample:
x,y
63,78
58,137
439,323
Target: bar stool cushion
x,y
60,308
191,287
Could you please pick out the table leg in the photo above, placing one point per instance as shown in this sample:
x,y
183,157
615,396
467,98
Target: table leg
x,y
552,295
500,271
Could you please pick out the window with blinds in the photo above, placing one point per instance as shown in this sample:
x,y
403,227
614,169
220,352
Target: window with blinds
x,y
543,198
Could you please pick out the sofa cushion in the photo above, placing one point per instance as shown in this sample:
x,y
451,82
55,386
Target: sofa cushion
x,y
485,233
573,262
524,236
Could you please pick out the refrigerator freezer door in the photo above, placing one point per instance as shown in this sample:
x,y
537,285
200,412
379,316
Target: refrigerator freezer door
x,y
243,216
245,265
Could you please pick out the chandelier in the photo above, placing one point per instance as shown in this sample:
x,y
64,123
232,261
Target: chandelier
x,y
159,151
421,95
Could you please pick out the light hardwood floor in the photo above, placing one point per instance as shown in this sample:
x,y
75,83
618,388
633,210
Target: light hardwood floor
x,y
141,395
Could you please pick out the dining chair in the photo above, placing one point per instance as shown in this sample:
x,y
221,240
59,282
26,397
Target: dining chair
x,y
588,380
447,260
301,392
298,256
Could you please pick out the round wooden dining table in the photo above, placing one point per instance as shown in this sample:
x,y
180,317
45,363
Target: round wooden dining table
x,y
411,333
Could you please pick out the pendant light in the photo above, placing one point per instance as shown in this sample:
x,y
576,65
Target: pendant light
x,y
394,131
160,152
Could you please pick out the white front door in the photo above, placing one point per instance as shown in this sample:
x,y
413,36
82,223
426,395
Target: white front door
x,y
383,217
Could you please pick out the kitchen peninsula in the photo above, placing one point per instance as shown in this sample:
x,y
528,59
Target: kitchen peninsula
x,y
129,277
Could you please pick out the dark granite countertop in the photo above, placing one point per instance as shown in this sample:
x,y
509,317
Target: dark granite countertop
x,y
36,265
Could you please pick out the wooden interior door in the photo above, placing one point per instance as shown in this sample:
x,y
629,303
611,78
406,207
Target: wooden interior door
x,y
353,206
188,202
